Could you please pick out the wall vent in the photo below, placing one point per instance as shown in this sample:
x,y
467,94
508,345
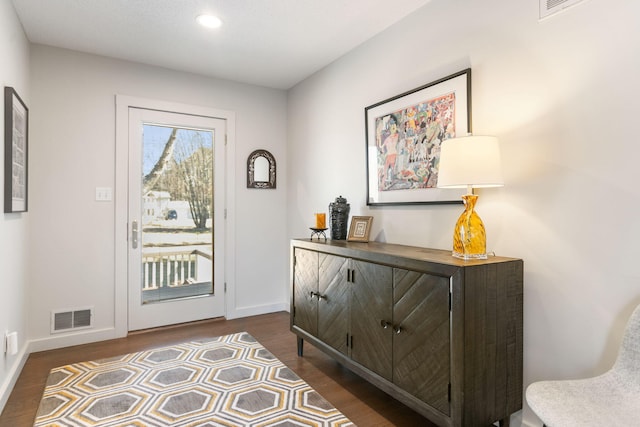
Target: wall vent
x,y
67,320
549,7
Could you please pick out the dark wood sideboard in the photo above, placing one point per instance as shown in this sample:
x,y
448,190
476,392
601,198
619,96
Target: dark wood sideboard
x,y
440,334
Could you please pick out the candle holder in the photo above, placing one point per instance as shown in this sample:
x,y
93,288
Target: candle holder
x,y
319,232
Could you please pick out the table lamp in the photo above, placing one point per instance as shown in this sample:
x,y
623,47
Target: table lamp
x,y
471,162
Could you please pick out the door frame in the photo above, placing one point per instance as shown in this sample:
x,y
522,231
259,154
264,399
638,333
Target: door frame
x,y
121,237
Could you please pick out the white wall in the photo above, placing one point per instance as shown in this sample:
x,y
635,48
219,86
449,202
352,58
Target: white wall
x,y
14,72
562,97
73,152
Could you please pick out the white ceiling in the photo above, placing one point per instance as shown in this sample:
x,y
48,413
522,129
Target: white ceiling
x,y
273,43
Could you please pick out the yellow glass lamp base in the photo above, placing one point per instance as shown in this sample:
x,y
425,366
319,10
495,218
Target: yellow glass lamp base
x,y
469,237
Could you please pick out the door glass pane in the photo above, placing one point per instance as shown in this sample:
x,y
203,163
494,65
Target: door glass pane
x,y
177,207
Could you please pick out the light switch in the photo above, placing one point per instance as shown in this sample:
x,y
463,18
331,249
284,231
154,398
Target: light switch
x,y
103,194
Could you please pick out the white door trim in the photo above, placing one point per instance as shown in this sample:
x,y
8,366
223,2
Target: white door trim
x,y
123,103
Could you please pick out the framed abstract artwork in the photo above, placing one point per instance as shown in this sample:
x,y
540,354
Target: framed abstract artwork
x,y
403,138
16,139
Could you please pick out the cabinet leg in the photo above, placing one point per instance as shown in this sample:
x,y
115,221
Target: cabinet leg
x,y
300,346
504,422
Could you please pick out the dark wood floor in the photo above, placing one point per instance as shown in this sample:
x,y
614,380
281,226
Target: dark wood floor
x,y
364,404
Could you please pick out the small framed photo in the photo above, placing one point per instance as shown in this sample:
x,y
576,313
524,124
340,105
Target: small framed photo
x,y
16,139
360,228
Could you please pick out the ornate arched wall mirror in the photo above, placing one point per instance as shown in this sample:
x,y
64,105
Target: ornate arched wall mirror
x,y
261,170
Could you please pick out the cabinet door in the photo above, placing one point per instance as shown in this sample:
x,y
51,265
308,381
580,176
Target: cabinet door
x,y
371,307
333,301
305,287
421,350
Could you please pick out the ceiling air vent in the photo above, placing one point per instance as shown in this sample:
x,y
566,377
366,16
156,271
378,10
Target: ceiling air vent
x,y
67,320
549,7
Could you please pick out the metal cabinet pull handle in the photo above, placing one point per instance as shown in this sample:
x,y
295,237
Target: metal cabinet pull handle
x,y
385,324
317,295
397,329
351,275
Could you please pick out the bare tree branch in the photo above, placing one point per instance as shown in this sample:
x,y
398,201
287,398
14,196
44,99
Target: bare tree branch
x,y
161,165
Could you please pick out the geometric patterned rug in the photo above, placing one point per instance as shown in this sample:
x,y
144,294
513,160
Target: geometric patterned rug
x,y
220,382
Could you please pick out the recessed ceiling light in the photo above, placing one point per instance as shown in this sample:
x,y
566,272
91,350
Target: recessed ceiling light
x,y
209,21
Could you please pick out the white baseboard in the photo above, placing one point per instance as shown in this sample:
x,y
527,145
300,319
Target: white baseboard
x,y
531,421
256,310
12,376
86,336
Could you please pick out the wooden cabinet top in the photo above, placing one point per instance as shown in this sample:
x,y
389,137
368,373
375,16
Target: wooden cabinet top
x,y
389,253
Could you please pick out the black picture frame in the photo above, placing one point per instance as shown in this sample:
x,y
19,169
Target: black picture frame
x,y
403,137
16,152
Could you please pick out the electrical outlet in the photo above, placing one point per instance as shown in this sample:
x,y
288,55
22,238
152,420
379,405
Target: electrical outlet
x,y
11,343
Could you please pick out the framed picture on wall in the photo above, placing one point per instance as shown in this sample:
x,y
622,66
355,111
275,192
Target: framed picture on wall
x,y
403,138
16,141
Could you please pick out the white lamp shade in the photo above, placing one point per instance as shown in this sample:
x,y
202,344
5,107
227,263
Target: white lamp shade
x,y
470,161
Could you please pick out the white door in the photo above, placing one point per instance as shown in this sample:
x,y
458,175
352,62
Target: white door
x,y
175,218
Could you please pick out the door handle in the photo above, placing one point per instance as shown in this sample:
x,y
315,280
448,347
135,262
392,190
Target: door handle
x,y
134,234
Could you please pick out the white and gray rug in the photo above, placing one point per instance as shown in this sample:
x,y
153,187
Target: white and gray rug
x,y
226,381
